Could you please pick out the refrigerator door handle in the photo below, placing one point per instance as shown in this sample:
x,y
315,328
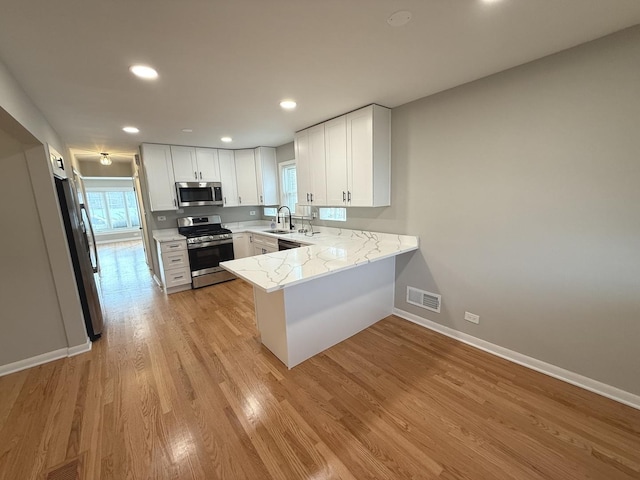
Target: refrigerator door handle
x,y
96,268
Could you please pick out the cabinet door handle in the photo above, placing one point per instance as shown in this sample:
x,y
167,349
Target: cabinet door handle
x,y
179,276
344,196
195,175
174,203
307,197
200,175
261,201
225,199
312,198
348,196
240,199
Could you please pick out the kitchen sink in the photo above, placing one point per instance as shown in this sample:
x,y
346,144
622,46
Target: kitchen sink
x,y
280,232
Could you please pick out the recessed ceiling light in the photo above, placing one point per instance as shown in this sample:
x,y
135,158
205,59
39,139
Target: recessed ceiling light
x,y
288,104
399,19
131,129
187,130
144,71
226,139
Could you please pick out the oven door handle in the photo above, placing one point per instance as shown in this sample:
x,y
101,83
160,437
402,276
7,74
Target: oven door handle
x,y
214,243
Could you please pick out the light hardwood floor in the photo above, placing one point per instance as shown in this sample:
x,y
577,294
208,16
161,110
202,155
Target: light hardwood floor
x,y
180,387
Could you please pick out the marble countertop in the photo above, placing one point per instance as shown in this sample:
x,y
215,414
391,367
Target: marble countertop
x,y
167,235
330,251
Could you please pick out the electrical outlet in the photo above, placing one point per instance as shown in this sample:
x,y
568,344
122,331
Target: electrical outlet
x,y
252,212
162,218
470,317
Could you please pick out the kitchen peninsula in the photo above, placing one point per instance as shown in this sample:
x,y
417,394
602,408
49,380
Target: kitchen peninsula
x,y
310,298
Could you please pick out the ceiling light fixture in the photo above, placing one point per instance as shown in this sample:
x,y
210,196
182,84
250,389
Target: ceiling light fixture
x,y
288,104
143,71
399,19
226,139
187,130
105,160
131,129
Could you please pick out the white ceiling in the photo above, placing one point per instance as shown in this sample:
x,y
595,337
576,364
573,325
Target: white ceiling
x,y
225,64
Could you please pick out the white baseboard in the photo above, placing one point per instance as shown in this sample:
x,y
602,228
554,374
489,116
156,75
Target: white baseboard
x,y
78,349
44,358
538,365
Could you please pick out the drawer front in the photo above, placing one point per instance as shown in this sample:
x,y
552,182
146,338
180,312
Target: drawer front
x,y
173,246
175,259
177,276
265,241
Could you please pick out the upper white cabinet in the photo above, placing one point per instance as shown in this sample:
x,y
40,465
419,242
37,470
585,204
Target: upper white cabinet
x,y
266,175
246,177
228,178
310,166
158,170
369,157
195,164
185,166
352,166
303,166
335,138
208,164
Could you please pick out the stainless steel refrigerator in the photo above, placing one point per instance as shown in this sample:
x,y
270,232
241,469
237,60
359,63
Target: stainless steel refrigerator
x,y
84,258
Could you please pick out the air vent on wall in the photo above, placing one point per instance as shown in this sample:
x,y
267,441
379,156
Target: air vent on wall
x,y
420,298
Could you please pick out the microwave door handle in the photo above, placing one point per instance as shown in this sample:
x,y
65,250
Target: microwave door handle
x,y
96,269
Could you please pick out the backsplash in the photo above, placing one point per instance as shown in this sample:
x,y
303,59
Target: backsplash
x,y
227,214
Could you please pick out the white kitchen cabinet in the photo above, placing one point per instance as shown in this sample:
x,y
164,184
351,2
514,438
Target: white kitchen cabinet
x,y
158,170
242,246
335,138
173,258
346,161
303,167
208,164
369,157
228,178
267,175
195,164
263,244
310,166
185,166
246,177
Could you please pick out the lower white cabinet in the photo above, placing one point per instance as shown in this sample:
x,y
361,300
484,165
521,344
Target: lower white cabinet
x,y
263,244
242,245
173,258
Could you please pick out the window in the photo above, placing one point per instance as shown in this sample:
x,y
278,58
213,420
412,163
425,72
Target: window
x,y
337,214
270,211
112,207
288,184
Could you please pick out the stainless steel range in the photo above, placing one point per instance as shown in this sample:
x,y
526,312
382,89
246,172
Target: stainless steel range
x,y
208,244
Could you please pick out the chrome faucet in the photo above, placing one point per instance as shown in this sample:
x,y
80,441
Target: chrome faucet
x,y
290,224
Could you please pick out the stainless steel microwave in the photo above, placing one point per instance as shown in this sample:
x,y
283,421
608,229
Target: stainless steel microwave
x,y
198,194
